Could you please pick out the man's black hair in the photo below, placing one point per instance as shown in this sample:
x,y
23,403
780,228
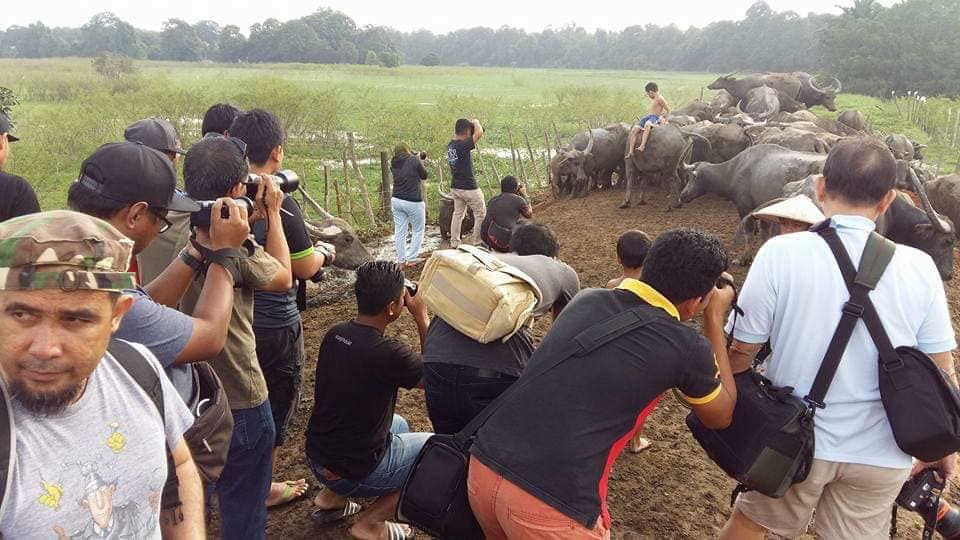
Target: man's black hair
x,y
532,238
684,264
83,199
463,127
262,132
651,87
860,171
509,184
378,283
212,168
219,118
633,247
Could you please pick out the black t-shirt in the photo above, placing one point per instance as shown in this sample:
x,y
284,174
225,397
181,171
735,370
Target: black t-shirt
x,y
279,309
358,374
16,197
461,163
558,437
503,213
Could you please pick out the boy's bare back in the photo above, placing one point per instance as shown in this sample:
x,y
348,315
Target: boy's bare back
x,y
659,105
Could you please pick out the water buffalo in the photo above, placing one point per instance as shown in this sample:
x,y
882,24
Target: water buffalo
x,y
799,140
590,160
722,101
762,103
813,94
697,109
726,141
900,145
446,218
738,88
798,85
944,194
663,157
351,252
755,176
904,223
853,119
799,116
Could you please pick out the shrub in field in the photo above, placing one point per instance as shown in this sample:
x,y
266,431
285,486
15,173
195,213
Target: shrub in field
x,y
113,66
372,59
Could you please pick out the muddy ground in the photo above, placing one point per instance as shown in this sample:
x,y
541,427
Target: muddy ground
x,y
670,491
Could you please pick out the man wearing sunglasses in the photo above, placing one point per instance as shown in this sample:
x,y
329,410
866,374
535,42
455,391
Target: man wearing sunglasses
x,y
132,186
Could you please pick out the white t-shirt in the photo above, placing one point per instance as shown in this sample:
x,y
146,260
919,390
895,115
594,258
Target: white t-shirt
x,y
96,470
793,296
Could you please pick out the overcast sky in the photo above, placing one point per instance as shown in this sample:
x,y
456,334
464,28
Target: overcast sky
x,y
434,15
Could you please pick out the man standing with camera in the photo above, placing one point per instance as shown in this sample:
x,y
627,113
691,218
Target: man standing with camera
x,y
276,315
858,468
216,167
504,211
463,187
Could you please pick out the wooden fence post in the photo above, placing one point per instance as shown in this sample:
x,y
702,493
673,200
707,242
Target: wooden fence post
x,y
386,213
513,156
326,187
346,186
351,148
533,159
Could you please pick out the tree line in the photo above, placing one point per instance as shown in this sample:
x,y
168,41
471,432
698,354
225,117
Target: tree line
x,y
912,45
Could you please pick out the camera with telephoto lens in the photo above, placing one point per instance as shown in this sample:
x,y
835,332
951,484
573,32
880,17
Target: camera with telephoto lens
x,y
410,286
286,180
922,494
202,217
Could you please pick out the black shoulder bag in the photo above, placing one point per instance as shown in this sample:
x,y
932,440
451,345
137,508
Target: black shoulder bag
x,y
922,404
769,444
434,495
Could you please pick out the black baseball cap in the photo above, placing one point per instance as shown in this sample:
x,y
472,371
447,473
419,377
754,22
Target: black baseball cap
x,y
5,127
155,133
130,172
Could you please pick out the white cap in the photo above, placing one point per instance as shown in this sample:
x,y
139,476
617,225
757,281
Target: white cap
x,y
799,208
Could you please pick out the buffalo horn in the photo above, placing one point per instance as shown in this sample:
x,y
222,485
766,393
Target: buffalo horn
x,y
927,207
590,143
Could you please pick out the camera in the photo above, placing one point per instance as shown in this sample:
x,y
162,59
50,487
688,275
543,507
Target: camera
x,y
410,286
286,180
921,494
422,154
202,217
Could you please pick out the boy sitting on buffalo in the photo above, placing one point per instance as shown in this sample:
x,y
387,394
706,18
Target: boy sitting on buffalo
x,y
659,111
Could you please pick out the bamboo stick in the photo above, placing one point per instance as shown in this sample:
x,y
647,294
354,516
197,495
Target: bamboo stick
x,y
351,146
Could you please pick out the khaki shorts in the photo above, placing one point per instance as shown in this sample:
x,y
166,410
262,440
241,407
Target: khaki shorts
x,y
852,501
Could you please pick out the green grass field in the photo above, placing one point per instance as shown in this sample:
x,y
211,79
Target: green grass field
x,y
67,110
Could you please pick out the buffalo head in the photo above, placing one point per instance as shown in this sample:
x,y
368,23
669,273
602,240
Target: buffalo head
x,y
817,94
351,252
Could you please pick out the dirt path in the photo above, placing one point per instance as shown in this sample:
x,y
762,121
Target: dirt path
x,y
670,491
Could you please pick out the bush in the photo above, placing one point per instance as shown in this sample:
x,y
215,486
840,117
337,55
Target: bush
x,y
431,59
390,59
114,66
372,59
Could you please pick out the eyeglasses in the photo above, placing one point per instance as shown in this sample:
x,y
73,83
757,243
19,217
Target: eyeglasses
x,y
161,215
242,146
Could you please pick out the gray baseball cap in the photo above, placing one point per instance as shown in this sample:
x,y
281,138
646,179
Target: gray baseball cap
x,y
5,127
155,133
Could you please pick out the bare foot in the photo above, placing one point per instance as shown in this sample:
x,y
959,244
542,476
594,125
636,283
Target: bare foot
x,y
639,444
628,156
383,530
286,492
642,146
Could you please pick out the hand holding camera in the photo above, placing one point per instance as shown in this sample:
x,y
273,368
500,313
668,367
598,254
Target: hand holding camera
x,y
414,305
233,227
268,197
722,299
329,252
522,190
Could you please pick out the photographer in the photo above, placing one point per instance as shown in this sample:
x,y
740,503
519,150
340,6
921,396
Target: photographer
x,y
218,119
858,468
276,317
504,211
409,210
216,167
16,194
463,185
132,187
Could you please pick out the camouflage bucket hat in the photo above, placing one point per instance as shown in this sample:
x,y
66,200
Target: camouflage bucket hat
x,y
64,250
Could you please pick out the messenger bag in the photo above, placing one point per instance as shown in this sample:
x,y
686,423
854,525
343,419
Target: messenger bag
x,y
434,496
922,404
769,444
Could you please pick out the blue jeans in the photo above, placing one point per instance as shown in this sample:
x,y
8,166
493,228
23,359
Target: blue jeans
x,y
413,214
392,471
456,394
245,482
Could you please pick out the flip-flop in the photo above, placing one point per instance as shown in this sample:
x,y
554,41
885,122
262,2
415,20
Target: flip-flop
x,y
396,531
289,493
643,448
323,517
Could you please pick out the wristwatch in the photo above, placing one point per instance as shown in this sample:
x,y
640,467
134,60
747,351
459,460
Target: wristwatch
x,y
189,260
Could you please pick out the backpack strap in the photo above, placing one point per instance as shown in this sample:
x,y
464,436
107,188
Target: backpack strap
x,y
496,265
8,446
877,255
586,341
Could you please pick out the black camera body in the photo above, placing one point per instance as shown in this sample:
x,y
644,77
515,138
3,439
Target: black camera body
x,y
410,286
922,494
202,217
288,181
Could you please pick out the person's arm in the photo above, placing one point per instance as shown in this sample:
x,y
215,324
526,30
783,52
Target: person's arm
x,y
666,107
418,310
305,261
716,410
526,210
477,131
187,520
421,169
169,286
276,244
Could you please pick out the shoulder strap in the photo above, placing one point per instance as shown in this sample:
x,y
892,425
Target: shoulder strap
x,y
8,445
588,340
496,265
137,367
876,257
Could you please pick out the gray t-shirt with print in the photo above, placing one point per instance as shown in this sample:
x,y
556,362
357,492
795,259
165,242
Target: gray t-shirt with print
x,y
97,469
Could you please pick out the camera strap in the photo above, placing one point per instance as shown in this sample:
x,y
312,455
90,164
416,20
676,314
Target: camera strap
x,y
227,258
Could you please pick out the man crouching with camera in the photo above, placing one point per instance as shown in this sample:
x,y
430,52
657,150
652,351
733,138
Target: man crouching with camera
x,y
216,167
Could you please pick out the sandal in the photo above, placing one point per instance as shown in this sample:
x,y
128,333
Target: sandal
x,y
396,531
290,488
323,517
